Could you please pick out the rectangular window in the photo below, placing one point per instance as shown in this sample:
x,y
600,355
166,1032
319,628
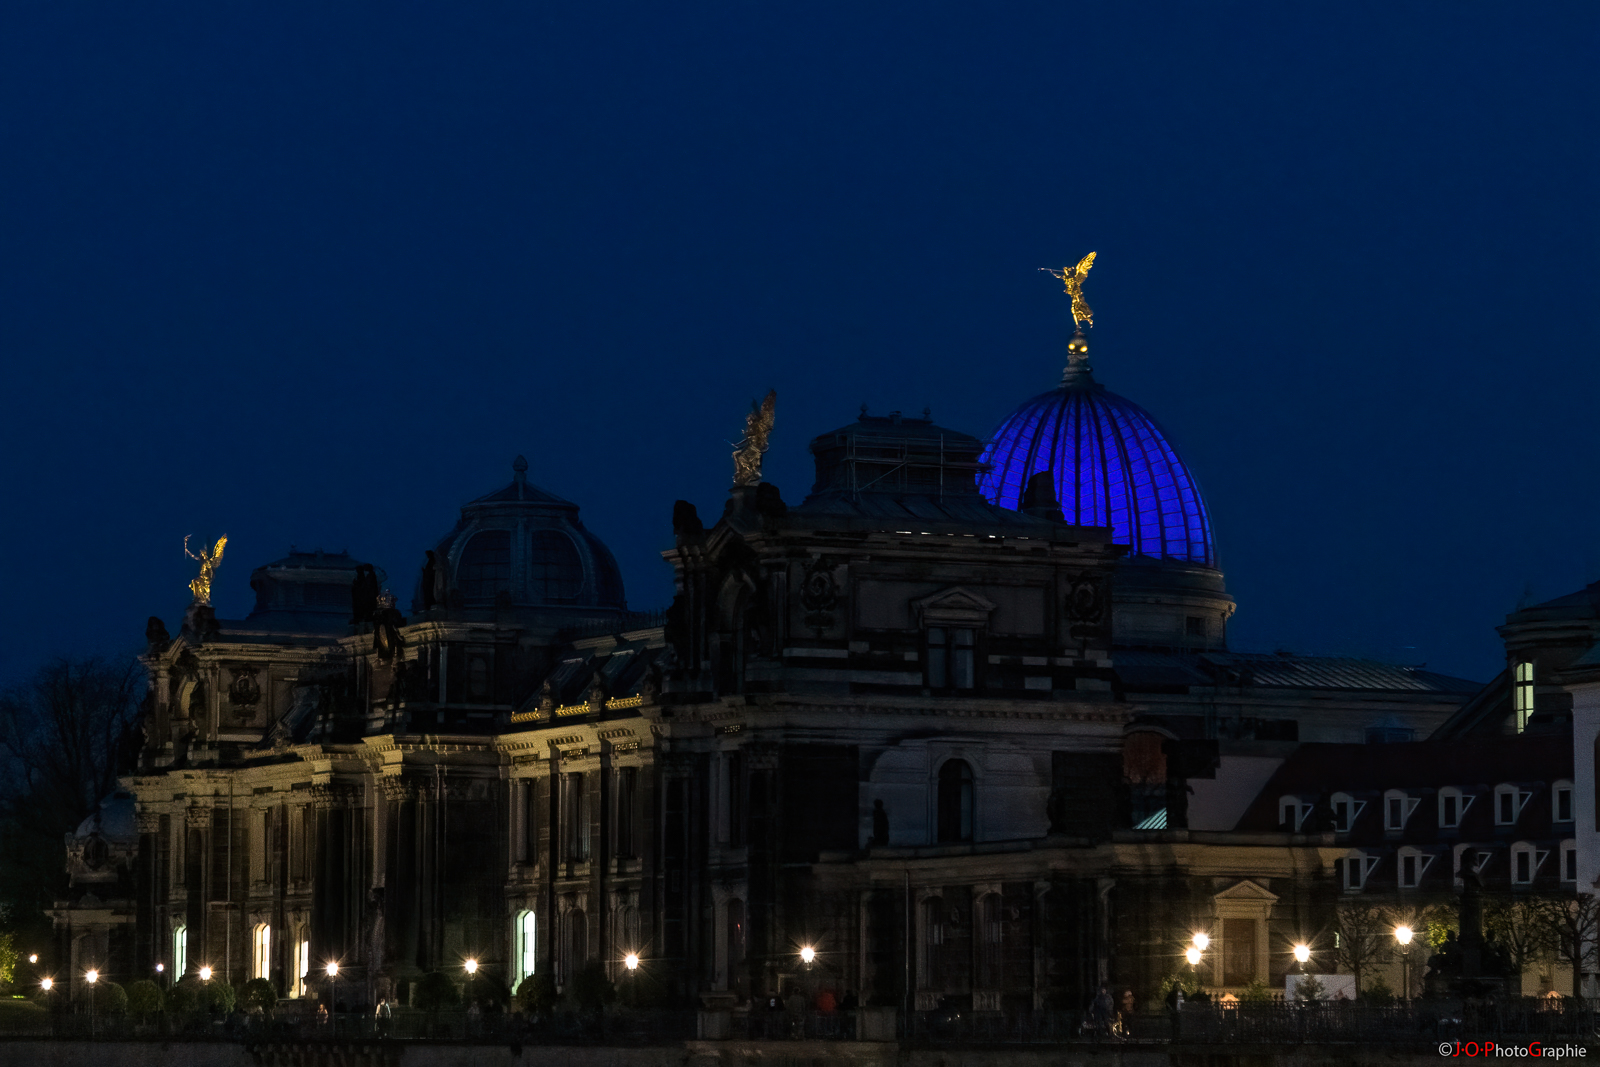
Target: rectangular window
x,y
1408,871
1238,951
952,658
1508,808
1397,818
1569,864
961,662
1450,811
574,817
529,817
1524,867
1341,816
1564,805
1523,695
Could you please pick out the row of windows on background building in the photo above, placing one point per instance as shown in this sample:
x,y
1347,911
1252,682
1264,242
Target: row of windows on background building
x,y
1525,861
260,956
1510,800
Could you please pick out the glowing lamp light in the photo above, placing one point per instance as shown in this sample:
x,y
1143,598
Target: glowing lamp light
x,y
807,954
92,977
33,957
1202,941
631,961
205,974
1302,953
1403,934
46,984
472,966
1193,956
161,968
333,969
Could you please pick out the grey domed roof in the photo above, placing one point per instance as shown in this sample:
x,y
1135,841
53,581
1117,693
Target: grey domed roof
x,y
115,821
528,545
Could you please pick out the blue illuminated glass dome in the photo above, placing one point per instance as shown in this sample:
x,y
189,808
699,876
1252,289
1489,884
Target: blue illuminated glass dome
x,y
1113,466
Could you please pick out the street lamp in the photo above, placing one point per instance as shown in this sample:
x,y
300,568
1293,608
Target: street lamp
x,y
631,961
1202,941
1404,934
1192,954
333,993
1302,955
807,954
472,966
47,984
33,957
91,976
205,974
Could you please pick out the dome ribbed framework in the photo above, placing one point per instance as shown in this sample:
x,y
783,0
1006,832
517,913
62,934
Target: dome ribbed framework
x,y
1113,467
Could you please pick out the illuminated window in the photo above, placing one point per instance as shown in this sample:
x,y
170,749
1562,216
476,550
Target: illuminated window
x,y
302,968
526,933
1522,694
261,951
180,952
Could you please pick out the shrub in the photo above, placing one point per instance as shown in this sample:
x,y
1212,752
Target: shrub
x,y
1257,992
591,988
1377,993
436,992
144,998
1309,989
536,994
108,998
184,997
259,994
217,997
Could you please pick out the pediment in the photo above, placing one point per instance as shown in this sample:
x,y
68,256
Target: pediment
x,y
957,604
1246,892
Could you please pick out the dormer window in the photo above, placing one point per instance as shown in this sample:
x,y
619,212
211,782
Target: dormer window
x,y
1357,866
1412,866
1453,804
1561,801
1397,808
1525,863
1569,861
1292,812
1508,804
1522,694
1346,809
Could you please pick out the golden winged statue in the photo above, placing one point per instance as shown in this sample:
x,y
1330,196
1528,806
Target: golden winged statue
x,y
757,431
1072,278
208,560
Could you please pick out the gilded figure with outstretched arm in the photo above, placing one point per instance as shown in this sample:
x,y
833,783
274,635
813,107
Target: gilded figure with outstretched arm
x,y
1072,278
208,560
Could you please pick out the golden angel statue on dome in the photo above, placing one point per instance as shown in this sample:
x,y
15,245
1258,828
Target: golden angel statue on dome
x,y
757,432
1072,278
208,560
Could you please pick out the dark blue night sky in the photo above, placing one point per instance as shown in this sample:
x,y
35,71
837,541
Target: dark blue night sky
x,y
313,274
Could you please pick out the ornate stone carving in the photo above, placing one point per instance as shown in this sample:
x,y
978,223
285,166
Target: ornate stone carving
x,y
819,595
245,692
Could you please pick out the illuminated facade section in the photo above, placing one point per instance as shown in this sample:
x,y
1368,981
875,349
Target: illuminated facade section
x,y
1113,466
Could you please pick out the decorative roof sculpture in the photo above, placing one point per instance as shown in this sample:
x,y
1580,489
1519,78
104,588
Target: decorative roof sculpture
x,y
757,434
209,560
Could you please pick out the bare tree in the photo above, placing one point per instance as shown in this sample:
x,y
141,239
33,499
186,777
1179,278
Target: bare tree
x,y
62,736
1365,936
1571,922
1518,926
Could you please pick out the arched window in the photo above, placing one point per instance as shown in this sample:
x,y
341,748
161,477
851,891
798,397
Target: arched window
x,y
955,801
555,573
991,938
485,567
180,952
526,935
261,951
300,964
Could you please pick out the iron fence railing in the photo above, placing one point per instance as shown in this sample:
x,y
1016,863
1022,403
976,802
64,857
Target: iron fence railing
x,y
1508,1021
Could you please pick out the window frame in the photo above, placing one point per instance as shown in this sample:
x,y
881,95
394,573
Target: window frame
x,y
1463,801
1526,852
1408,807
1568,848
1352,811
1563,787
1518,798
1358,861
1421,862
